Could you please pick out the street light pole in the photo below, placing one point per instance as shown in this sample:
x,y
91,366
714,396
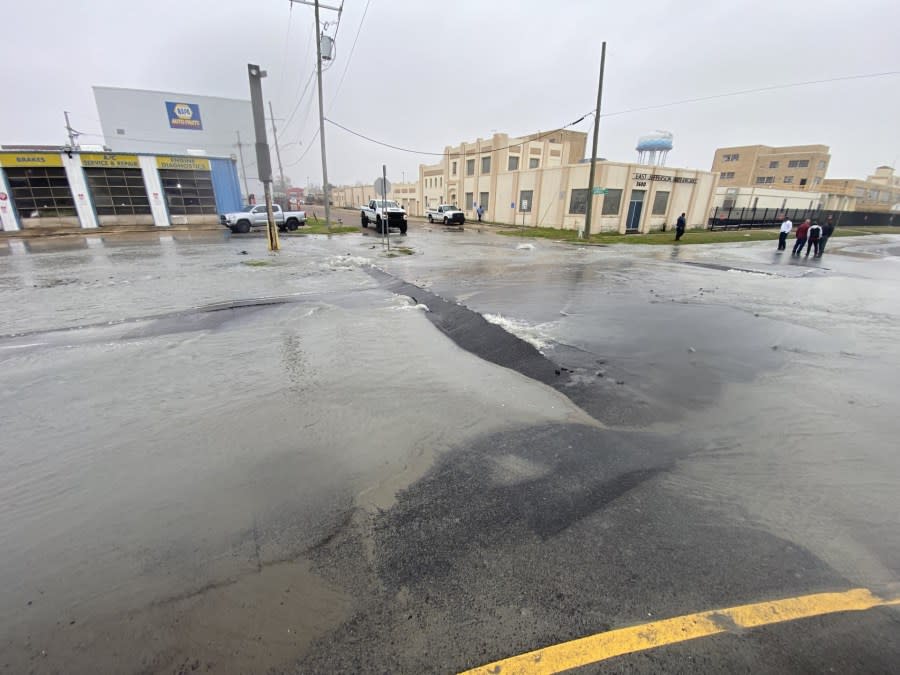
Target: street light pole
x,y
243,168
277,149
586,234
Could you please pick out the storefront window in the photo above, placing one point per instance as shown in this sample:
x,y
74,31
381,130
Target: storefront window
x,y
611,203
118,192
188,192
578,202
41,192
660,203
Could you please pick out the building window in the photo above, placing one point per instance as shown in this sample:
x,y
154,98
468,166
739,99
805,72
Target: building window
x,y
41,193
773,164
817,180
534,163
454,168
526,199
513,163
483,200
821,163
764,180
798,163
485,165
859,193
118,192
729,158
727,175
611,203
469,200
802,182
660,204
441,181
578,202
470,167
188,193
788,179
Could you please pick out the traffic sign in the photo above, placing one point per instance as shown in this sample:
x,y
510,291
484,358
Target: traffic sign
x,y
382,186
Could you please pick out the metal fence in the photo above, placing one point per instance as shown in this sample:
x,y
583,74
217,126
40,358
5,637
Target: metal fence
x,y
749,218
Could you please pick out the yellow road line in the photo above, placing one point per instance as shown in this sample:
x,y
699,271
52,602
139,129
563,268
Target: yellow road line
x,y
602,646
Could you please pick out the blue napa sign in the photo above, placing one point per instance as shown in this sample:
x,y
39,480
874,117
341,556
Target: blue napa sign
x,y
184,115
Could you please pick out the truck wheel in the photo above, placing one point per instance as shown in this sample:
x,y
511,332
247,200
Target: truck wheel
x,y
378,227
243,227
364,220
292,224
445,220
403,228
430,219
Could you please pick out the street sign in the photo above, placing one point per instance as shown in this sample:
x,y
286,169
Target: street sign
x,y
524,205
382,186
601,191
513,205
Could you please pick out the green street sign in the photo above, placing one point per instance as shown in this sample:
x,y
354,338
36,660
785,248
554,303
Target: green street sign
x,y
601,191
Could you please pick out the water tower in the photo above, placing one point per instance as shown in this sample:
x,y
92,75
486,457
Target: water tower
x,y
653,148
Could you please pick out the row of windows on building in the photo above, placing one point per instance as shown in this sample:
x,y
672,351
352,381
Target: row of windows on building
x,y
796,164
788,180
512,164
578,199
45,192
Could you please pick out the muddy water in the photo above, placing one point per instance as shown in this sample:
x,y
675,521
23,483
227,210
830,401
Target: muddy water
x,y
161,479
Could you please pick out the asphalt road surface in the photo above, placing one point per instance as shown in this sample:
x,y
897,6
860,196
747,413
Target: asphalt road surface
x,y
475,450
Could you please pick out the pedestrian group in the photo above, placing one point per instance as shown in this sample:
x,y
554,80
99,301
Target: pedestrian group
x,y
809,234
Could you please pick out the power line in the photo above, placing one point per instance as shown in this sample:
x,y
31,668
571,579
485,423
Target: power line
x,y
287,43
452,154
753,91
309,147
349,56
299,100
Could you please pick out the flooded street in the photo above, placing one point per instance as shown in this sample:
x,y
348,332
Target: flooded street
x,y
222,460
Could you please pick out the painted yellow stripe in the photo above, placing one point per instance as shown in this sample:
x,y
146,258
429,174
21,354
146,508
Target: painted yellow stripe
x,y
602,646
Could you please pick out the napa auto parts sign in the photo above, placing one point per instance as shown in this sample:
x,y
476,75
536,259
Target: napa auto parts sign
x,y
184,115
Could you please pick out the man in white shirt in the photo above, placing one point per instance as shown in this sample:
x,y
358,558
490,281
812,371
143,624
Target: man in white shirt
x,y
786,228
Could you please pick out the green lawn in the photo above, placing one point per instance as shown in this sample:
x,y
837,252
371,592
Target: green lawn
x,y
313,227
690,237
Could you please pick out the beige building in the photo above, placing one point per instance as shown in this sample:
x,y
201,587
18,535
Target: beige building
x,y
794,167
542,180
354,196
879,192
766,198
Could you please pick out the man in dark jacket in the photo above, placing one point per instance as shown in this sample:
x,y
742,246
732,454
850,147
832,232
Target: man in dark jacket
x,y
801,237
814,234
827,231
680,225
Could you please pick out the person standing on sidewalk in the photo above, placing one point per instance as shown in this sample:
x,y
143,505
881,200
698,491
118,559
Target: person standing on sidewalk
x,y
814,235
680,226
801,238
827,231
786,228
480,212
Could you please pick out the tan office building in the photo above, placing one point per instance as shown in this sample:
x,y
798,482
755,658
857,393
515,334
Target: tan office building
x,y
542,180
880,192
794,167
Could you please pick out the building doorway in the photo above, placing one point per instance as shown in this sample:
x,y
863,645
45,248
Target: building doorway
x,y
635,206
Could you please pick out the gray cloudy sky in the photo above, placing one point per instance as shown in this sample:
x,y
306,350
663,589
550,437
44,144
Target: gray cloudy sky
x,y
428,73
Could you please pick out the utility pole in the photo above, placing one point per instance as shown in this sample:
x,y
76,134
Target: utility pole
x,y
243,168
72,133
263,160
277,149
586,234
319,38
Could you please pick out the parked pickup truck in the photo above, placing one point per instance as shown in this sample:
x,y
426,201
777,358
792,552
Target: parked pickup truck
x,y
378,211
446,214
255,216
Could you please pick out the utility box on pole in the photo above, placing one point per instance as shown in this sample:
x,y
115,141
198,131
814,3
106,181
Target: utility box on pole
x,y
263,160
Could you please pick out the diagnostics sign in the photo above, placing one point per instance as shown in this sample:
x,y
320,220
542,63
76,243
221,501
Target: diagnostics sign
x,y
184,115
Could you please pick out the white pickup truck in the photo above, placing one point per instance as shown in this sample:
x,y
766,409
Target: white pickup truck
x,y
378,211
447,214
249,217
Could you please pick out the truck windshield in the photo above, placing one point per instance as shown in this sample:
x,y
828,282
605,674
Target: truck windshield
x,y
388,205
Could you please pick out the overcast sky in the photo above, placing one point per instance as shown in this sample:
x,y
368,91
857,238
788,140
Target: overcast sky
x,y
430,73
